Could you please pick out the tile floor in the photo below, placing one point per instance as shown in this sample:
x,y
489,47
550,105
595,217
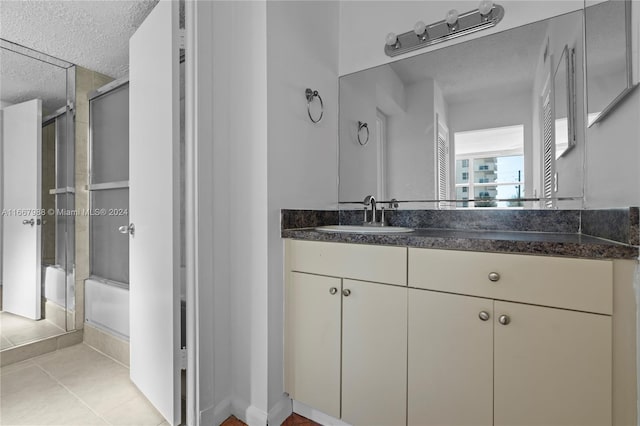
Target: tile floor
x,y
75,386
16,330
292,420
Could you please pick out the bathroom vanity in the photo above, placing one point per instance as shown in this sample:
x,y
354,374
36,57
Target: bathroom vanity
x,y
478,328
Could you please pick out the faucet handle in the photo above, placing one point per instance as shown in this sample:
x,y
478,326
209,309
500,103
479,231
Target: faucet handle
x,y
382,223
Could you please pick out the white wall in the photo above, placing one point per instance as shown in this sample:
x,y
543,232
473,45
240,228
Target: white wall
x,y
248,248
358,163
302,43
411,145
613,150
364,24
210,236
232,102
265,155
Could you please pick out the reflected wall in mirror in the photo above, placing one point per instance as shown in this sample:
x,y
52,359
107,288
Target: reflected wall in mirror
x,y
464,126
37,188
609,68
564,103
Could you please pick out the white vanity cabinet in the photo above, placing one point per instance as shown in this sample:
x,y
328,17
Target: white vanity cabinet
x,y
313,315
379,335
483,361
346,338
450,360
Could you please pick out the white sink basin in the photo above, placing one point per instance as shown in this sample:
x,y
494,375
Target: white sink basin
x,y
364,229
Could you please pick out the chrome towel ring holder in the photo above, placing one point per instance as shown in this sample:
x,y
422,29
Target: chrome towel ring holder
x,y
361,126
311,95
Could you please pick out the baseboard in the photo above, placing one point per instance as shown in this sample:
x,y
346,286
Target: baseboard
x,y
216,415
280,411
106,343
249,414
315,415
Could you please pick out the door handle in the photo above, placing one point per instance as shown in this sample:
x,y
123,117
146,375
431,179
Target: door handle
x,y
127,229
31,222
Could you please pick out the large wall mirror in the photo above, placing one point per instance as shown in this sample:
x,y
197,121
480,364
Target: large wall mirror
x,y
609,59
480,124
37,264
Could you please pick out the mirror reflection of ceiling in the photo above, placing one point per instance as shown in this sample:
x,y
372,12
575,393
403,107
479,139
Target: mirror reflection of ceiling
x,y
92,34
494,55
25,78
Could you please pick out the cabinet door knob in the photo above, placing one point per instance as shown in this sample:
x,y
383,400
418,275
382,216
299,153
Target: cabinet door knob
x,y
333,290
504,319
484,315
494,276
346,292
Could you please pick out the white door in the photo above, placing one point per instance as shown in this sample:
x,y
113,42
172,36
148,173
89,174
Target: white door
x,y
154,103
21,168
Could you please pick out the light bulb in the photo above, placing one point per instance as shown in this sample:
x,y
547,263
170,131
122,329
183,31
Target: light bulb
x,y
452,17
391,39
485,7
419,28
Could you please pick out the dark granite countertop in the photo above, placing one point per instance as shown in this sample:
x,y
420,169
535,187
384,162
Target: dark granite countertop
x,y
537,243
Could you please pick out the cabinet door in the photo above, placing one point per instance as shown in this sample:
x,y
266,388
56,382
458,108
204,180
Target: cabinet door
x,y
450,370
374,354
552,367
312,339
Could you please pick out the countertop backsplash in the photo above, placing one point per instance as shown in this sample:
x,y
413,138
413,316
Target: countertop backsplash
x,y
607,233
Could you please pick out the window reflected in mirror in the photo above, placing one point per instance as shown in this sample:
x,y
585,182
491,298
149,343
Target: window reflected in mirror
x,y
490,167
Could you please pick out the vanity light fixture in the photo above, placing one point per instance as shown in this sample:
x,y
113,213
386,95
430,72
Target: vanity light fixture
x,y
454,25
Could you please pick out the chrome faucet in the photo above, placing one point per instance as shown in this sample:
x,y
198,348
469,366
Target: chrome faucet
x,y
370,201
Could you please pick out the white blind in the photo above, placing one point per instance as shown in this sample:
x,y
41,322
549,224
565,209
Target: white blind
x,y
547,150
443,170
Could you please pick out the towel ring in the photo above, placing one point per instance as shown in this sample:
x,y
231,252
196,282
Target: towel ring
x,y
310,95
361,126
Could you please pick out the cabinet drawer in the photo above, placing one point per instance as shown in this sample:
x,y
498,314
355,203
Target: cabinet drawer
x,y
356,261
584,285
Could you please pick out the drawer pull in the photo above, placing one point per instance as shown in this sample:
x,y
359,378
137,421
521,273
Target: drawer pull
x,y
484,315
494,276
333,290
504,319
346,292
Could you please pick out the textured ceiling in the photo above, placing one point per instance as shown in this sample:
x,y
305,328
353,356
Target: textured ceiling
x,y
92,34
24,78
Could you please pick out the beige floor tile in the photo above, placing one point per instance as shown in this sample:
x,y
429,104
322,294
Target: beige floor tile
x,y
137,411
102,389
40,330
78,360
10,322
55,406
4,343
72,386
26,380
8,369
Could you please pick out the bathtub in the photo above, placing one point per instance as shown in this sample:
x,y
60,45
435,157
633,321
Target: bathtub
x,y
107,306
55,286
